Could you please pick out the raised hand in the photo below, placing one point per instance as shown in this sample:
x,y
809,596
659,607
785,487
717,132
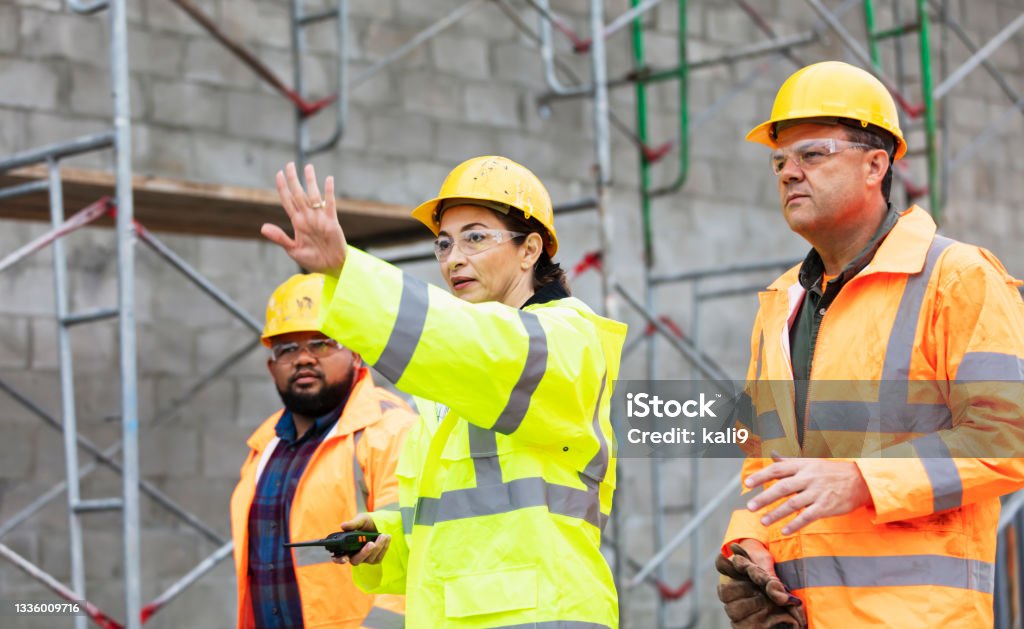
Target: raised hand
x,y
319,242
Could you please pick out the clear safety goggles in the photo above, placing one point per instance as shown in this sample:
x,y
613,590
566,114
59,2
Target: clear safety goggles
x,y
811,153
472,242
317,348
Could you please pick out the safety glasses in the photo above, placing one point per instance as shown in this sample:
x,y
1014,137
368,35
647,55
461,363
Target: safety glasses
x,y
318,348
472,242
811,153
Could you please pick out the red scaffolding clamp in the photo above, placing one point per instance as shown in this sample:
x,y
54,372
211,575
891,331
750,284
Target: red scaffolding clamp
x,y
669,323
673,594
591,260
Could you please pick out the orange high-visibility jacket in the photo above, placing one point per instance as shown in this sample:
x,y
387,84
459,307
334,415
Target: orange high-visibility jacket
x,y
366,440
926,316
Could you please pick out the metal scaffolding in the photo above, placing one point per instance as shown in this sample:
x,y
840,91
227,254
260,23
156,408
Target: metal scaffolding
x,y
561,84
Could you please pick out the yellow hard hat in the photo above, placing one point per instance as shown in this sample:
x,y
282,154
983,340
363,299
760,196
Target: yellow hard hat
x,y
294,306
832,89
503,185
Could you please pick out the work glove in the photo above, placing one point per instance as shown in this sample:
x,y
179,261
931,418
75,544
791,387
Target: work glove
x,y
753,598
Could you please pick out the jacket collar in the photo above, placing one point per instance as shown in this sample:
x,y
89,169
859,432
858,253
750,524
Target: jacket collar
x,y
903,251
361,410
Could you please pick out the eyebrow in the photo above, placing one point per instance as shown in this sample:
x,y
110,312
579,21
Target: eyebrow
x,y
464,228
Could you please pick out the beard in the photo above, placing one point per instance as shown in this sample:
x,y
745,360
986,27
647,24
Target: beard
x,y
314,404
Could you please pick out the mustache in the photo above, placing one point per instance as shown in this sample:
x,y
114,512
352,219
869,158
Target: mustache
x,y
304,372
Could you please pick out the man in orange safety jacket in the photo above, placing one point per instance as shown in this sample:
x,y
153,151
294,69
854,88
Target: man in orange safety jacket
x,y
886,386
329,454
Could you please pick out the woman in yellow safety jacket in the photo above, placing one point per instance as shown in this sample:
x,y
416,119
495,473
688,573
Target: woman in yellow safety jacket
x,y
507,480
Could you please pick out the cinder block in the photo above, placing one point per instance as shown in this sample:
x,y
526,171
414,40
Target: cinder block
x,y
224,449
456,142
258,115
423,179
65,34
436,95
188,104
257,399
382,9
407,136
495,105
169,450
28,84
165,17
9,21
219,159
208,62
370,177
380,38
465,56
157,54
377,92
15,342
163,346
90,93
216,401
488,20
517,63
16,451
205,498
426,9
266,22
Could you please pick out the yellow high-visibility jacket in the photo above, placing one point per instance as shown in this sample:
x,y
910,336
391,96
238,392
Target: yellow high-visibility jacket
x,y
353,466
507,479
919,358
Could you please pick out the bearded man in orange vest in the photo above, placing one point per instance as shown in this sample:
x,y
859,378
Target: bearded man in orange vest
x,y
329,454
886,382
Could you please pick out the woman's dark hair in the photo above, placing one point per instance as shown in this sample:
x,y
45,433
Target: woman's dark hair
x,y
545,270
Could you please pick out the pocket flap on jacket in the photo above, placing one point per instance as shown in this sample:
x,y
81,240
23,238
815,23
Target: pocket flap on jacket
x,y
490,592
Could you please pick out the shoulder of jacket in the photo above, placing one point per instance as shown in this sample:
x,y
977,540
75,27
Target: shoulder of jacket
x,y
265,433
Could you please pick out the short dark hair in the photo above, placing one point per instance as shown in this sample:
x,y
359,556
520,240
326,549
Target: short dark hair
x,y
878,138
545,270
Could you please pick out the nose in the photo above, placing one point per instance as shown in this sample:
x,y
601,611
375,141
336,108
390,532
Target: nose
x,y
790,171
455,258
304,356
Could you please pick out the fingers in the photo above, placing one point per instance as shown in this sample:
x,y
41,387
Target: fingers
x,y
734,590
283,193
794,504
362,522
785,487
295,188
779,469
808,515
372,552
312,190
331,202
276,235
727,568
743,608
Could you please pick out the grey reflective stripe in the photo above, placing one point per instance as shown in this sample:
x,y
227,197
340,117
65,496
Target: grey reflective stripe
x,y
391,506
898,417
597,469
407,514
904,328
893,389
536,363
947,488
887,571
557,624
990,367
380,618
769,426
310,555
483,447
362,491
521,493
405,335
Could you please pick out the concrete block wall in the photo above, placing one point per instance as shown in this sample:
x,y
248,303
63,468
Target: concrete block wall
x,y
198,114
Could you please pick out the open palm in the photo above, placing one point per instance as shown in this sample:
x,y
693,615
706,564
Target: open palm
x,y
318,244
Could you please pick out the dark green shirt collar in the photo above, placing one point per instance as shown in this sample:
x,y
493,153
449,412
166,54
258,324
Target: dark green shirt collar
x,y
813,267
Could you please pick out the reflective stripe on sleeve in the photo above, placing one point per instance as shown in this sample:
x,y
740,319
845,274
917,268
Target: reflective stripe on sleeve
x,y
405,335
536,363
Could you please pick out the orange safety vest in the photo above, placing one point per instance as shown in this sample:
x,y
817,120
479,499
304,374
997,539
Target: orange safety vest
x,y
352,470
898,344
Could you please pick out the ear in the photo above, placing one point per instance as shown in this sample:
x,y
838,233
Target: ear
x,y
875,168
357,360
270,366
532,247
